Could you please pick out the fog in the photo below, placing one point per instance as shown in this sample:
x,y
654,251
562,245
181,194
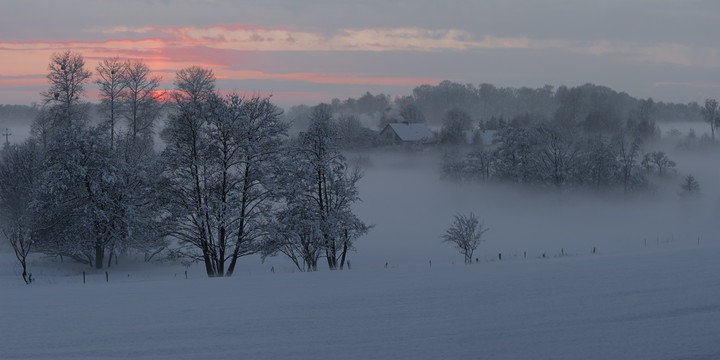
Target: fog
x,y
19,130
410,206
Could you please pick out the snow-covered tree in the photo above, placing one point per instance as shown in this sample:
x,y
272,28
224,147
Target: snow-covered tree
x,y
78,196
557,155
354,135
516,158
319,192
598,166
465,233
294,233
19,170
455,123
218,170
412,114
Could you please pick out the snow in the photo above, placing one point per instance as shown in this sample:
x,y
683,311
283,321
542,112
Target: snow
x,y
648,305
412,131
658,299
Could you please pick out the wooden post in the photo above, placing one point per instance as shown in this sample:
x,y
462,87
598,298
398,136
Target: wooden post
x,y
83,277
499,256
107,277
185,274
7,136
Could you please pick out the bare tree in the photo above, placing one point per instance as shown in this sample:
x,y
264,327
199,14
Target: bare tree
x,y
466,234
141,98
111,76
628,153
68,78
662,162
689,186
194,84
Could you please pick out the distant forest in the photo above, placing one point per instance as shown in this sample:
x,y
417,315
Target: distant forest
x,y
589,106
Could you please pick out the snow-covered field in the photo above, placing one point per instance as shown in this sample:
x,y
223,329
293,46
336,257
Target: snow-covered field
x,y
649,305
652,291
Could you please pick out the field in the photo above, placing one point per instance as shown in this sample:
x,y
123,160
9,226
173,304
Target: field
x,y
659,304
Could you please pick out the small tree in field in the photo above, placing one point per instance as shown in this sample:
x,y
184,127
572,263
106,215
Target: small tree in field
x,y
466,234
689,186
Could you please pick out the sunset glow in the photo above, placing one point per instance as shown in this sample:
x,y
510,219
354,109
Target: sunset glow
x,y
289,48
166,50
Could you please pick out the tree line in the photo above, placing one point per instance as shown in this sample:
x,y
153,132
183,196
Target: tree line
x,y
586,103
227,181
548,154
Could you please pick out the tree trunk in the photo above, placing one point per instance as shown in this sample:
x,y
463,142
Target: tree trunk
x,y
206,258
24,274
99,254
344,252
241,225
110,257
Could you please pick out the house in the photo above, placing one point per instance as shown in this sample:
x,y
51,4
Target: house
x,y
407,133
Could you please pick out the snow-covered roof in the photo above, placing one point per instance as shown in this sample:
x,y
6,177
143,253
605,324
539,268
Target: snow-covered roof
x,y
412,131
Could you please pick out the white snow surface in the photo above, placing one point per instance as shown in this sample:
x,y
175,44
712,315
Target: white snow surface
x,y
412,131
658,304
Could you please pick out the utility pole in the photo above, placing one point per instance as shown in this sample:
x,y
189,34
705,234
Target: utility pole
x,y
7,136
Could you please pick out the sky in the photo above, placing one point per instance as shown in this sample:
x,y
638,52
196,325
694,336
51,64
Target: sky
x,y
316,50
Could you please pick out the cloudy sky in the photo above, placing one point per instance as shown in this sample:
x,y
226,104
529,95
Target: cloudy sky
x,y
312,51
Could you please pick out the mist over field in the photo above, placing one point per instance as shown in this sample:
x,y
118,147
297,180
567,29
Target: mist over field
x,y
410,206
